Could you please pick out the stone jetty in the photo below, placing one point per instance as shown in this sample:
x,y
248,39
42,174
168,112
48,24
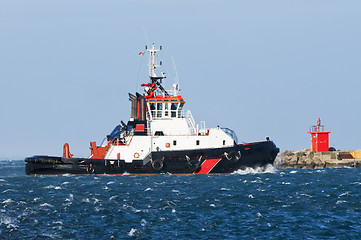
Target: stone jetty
x,y
318,160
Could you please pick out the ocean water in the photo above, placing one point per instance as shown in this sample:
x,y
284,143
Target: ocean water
x,y
251,204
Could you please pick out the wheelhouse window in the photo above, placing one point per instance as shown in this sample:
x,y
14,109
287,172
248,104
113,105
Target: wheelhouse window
x,y
173,108
180,110
152,109
159,109
166,109
197,142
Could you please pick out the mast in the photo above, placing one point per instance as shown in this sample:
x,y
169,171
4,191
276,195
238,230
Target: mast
x,y
152,65
155,81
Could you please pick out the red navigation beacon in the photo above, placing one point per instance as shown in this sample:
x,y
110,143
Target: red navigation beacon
x,y
319,138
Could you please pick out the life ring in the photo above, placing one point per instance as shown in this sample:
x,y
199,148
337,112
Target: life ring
x,y
136,155
157,164
233,156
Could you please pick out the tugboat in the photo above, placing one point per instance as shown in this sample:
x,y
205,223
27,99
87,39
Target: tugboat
x,y
160,137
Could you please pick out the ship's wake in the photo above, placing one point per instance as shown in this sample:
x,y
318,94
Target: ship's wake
x,y
266,169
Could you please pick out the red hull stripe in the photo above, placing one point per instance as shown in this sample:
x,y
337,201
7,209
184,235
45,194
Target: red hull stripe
x,y
207,166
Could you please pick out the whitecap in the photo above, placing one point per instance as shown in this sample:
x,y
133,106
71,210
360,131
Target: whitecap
x,y
8,190
50,235
225,189
46,205
174,211
148,189
340,201
160,183
212,205
111,182
7,221
7,201
256,181
176,191
70,199
250,196
259,214
345,194
52,187
133,232
64,183
304,194
2,180
293,171
286,183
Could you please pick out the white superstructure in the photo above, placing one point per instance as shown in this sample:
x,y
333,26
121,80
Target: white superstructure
x,y
160,123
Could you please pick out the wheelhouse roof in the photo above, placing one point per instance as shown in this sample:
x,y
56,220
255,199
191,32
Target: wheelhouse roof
x,y
166,98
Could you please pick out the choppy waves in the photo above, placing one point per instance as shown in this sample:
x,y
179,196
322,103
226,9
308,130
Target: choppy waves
x,y
252,203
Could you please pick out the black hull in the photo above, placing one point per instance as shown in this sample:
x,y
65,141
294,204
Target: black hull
x,y
203,161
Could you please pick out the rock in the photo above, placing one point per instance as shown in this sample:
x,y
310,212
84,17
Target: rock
x,y
293,160
318,163
318,160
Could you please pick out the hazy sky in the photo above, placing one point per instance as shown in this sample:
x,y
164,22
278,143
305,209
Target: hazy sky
x,y
261,68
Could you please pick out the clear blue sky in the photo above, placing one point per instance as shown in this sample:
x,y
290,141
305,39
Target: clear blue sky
x,y
261,68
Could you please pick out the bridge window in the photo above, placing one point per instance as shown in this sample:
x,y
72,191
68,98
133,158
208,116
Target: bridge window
x,y
152,108
166,113
180,110
159,109
174,107
197,142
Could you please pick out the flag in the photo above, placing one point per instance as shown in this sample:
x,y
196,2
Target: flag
x,y
141,53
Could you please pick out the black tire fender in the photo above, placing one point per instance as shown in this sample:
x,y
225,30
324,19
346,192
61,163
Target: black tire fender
x,y
90,169
157,164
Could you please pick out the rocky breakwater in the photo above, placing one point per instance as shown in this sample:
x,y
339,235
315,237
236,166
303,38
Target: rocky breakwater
x,y
318,160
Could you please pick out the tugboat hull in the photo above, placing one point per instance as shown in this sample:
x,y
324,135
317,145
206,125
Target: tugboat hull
x,y
200,161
